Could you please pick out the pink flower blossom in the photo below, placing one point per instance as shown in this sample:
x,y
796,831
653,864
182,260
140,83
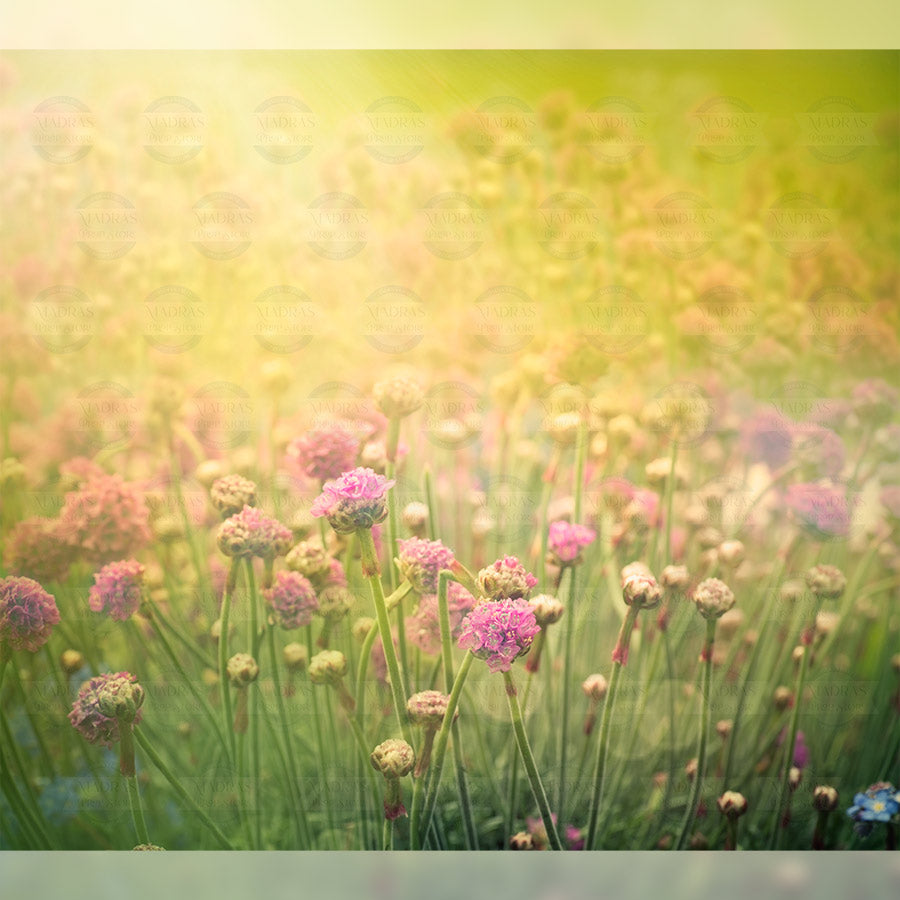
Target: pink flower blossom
x,y
27,614
117,589
292,600
324,453
566,541
86,717
420,561
499,632
355,500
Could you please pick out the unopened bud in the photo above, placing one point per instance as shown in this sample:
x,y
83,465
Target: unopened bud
x,y
295,656
825,798
242,670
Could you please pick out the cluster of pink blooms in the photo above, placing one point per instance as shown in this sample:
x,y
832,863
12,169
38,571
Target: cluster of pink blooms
x,y
35,548
499,632
420,561
292,600
117,589
252,533
324,453
423,627
506,579
86,717
821,508
27,614
766,437
566,541
358,499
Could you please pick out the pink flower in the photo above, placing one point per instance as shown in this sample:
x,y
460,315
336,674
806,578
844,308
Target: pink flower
x,y
355,500
423,627
252,533
117,589
86,716
820,508
292,600
499,632
766,437
27,614
566,541
35,548
324,453
420,561
506,579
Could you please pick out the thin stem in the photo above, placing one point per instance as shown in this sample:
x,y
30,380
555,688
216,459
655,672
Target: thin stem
x,y
137,812
534,777
429,502
602,753
254,705
224,687
705,722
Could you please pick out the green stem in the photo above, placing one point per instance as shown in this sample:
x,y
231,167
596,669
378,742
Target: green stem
x,y
429,502
137,812
224,687
370,567
537,787
253,711
183,795
705,722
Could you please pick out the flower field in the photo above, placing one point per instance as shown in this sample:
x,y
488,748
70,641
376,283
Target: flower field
x,y
449,451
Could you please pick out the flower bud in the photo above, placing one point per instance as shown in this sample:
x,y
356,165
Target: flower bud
x,y
327,667
595,687
547,609
415,518
783,698
713,598
231,494
295,656
148,847
71,661
826,582
642,591
242,670
795,776
120,698
522,840
723,728
732,804
675,578
731,553
825,798
399,397
427,708
361,627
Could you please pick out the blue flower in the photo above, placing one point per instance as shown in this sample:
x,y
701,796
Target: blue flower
x,y
880,803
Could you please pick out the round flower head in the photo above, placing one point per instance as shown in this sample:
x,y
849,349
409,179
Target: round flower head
x,y
292,600
87,717
393,758
415,518
252,533
634,568
423,628
120,698
397,398
521,840
499,632
335,602
427,708
324,453
713,598
819,508
118,589
642,591
420,561
27,614
547,609
35,548
825,798
355,500
310,559
327,667
766,437
675,578
232,493
732,804
595,687
242,669
295,656
566,541
826,582
731,553
879,803
506,579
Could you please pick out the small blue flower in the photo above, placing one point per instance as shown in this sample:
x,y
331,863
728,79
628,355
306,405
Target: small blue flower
x,y
880,803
